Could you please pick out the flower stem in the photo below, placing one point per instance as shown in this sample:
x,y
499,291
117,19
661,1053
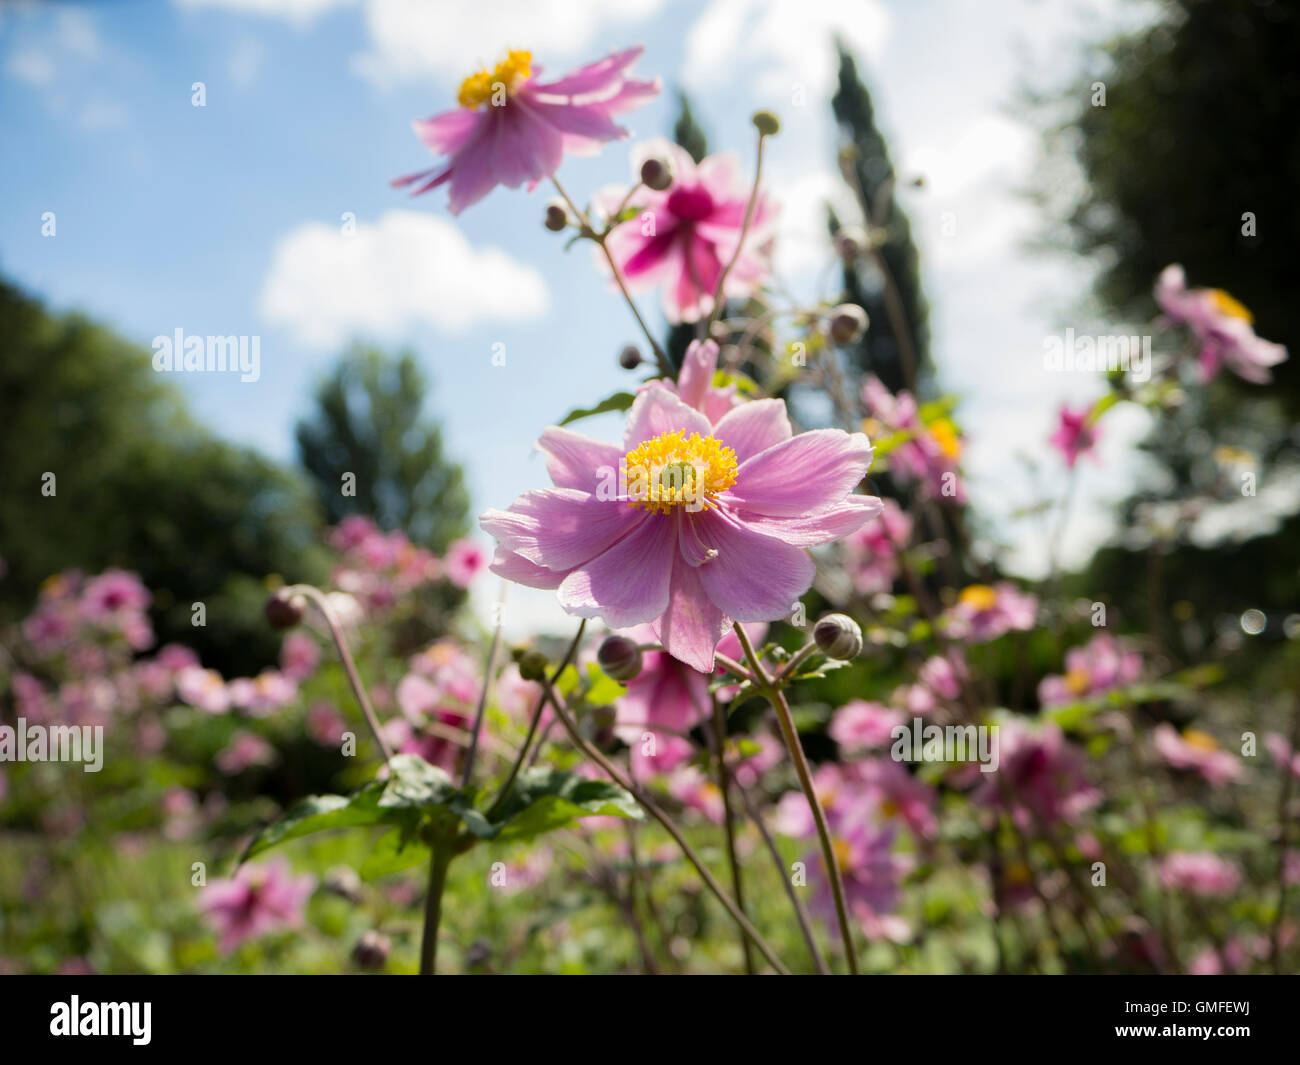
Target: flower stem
x,y
1284,840
665,367
716,312
468,774
349,666
728,820
438,865
777,698
652,808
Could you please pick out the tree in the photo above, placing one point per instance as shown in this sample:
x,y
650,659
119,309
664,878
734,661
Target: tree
x,y
369,423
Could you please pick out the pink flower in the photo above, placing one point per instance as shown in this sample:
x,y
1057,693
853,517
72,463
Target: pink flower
x,y
258,899
928,453
692,788
511,128
112,594
1222,326
1195,751
695,385
299,656
1283,754
244,751
325,725
871,553
1074,436
860,725
1040,776
263,694
985,612
684,235
1199,873
688,525
203,688
1101,665
463,562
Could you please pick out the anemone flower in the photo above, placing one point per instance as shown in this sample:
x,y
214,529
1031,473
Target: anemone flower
x,y
512,128
1073,436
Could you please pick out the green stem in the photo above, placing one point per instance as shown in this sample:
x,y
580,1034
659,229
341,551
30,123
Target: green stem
x,y
483,695
777,698
728,821
438,865
716,312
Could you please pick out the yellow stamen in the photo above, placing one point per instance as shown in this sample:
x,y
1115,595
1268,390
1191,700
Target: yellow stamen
x,y
496,84
1225,304
1077,681
843,853
1202,741
945,435
979,597
674,469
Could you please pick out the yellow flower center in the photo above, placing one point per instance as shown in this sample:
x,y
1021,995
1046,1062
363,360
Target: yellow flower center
x,y
843,853
497,84
674,469
889,808
1225,304
945,435
1202,741
979,597
1077,681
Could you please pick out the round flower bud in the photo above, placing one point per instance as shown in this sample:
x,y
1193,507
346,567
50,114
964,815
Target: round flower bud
x,y
344,882
655,174
532,665
630,357
766,123
838,636
619,657
371,951
556,217
284,611
848,323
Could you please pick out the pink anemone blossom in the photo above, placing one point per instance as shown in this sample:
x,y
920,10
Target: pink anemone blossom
x,y
985,612
256,900
929,452
1040,777
1197,752
1074,436
684,235
1222,326
688,526
1103,664
871,553
463,562
512,128
1199,873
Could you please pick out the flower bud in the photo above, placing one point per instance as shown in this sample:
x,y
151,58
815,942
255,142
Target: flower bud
x,y
619,657
766,123
851,243
371,951
630,357
556,217
344,882
838,636
284,611
848,323
532,665
655,174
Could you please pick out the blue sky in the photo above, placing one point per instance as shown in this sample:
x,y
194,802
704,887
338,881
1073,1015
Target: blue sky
x,y
225,219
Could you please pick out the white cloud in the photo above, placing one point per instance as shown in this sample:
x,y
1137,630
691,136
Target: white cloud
x,y
102,114
786,43
384,280
298,11
31,65
246,61
413,39
76,34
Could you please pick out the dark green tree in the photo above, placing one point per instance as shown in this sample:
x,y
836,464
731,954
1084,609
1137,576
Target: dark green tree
x,y
369,421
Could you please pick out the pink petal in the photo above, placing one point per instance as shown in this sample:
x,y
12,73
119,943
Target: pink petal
x,y
805,474
823,527
699,365
753,427
656,411
472,174
627,584
560,528
518,569
577,461
583,120
594,76
754,577
692,624
446,134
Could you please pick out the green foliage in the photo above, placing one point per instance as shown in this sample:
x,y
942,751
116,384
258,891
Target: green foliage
x,y
370,421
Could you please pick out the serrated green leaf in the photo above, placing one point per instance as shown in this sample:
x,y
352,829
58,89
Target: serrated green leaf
x,y
318,813
415,784
618,401
394,852
545,799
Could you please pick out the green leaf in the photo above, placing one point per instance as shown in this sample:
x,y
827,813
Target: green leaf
x,y
603,688
544,799
319,813
394,852
415,784
618,401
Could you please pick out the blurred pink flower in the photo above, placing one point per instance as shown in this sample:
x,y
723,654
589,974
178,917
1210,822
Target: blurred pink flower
x,y
646,550
859,725
1040,777
1199,873
871,553
325,725
243,751
1221,325
695,790
928,453
112,594
463,562
985,612
1195,751
256,900
512,128
264,694
203,688
1102,664
1284,755
299,656
1073,436
684,235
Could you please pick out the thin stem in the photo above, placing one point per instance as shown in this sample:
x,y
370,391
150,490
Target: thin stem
x,y
801,914
665,367
438,865
653,809
537,716
800,657
483,695
777,698
349,666
716,312
731,666
728,820
1284,839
